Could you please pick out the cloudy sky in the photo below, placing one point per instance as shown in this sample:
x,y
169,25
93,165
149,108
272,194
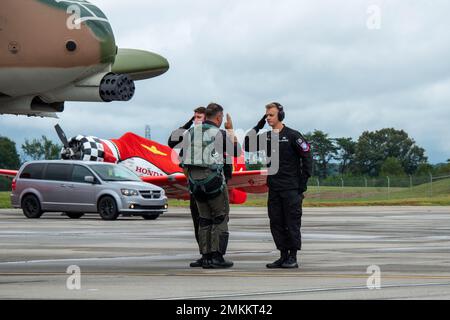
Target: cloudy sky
x,y
332,64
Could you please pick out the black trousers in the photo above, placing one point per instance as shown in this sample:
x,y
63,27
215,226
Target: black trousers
x,y
195,217
285,214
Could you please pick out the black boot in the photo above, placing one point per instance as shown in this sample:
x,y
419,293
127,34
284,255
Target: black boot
x,y
291,261
206,261
197,263
218,262
278,263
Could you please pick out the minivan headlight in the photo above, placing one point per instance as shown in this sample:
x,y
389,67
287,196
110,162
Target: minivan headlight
x,y
129,192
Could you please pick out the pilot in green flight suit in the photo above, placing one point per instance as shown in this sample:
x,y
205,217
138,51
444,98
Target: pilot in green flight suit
x,y
206,150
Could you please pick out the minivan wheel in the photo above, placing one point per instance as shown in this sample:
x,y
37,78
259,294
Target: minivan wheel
x,y
31,207
107,208
151,217
74,215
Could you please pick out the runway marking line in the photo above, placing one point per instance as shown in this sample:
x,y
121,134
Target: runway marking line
x,y
300,291
232,274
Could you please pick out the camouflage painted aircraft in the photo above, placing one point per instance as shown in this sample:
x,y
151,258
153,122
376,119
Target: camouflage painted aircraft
x,y
52,51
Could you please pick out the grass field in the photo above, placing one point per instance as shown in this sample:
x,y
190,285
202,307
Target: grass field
x,y
423,195
4,200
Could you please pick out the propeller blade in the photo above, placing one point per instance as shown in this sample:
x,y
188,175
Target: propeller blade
x,y
62,136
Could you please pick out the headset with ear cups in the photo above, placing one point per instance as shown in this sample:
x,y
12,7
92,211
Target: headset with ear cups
x,y
281,114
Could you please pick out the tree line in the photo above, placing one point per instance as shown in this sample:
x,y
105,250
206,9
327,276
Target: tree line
x,y
386,152
35,149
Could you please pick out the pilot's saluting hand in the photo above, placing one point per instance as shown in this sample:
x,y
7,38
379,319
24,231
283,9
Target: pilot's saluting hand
x,y
261,123
189,124
229,123
229,128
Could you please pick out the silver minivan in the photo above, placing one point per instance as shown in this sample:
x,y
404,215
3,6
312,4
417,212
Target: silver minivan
x,y
79,187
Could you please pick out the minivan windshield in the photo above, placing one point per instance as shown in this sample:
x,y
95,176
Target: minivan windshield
x,y
114,173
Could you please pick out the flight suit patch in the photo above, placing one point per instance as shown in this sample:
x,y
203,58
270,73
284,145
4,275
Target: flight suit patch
x,y
304,145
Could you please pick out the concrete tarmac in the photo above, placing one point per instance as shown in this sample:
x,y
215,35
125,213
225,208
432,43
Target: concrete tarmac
x,y
137,259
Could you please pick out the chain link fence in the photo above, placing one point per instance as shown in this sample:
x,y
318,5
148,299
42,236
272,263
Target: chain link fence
x,y
370,182
379,188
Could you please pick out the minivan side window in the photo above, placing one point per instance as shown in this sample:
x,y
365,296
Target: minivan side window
x,y
58,172
79,172
33,171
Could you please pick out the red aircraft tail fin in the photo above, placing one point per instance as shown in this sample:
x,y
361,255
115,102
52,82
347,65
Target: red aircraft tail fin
x,y
131,145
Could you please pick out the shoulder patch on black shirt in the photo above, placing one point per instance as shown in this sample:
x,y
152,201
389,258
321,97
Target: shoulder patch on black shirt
x,y
303,144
